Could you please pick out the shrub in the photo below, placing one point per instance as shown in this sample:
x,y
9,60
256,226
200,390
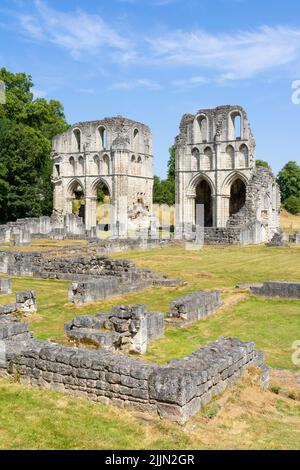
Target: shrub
x,y
292,204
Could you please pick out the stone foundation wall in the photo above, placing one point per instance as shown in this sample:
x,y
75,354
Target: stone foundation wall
x,y
283,289
5,285
195,306
175,391
25,303
125,328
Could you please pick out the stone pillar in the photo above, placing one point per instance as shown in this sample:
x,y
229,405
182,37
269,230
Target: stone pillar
x,y
90,212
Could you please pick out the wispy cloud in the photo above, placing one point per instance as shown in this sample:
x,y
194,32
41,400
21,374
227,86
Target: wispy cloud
x,y
139,83
77,31
192,82
234,56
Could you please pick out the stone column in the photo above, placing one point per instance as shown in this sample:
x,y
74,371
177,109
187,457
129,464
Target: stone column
x,y
90,212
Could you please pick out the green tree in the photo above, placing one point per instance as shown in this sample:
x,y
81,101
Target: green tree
x,y
164,190
20,106
262,163
292,204
172,163
289,181
26,164
26,129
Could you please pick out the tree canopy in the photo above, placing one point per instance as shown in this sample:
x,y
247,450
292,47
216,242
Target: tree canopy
x,y
164,190
27,126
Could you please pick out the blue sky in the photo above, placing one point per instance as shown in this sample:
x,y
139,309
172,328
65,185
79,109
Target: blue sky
x,y
154,60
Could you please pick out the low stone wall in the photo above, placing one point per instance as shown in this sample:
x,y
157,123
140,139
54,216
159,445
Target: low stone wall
x,y
295,238
99,289
5,285
222,236
283,289
195,306
13,330
175,391
25,303
125,328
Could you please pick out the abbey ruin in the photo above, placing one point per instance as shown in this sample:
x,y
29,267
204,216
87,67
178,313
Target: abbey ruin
x,y
215,169
103,182
113,155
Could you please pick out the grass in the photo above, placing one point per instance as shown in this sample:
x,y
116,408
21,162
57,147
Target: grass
x,y
289,222
242,418
272,323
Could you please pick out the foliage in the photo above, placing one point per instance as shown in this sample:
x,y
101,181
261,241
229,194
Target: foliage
x,y
26,165
164,190
262,163
289,181
27,126
20,106
292,204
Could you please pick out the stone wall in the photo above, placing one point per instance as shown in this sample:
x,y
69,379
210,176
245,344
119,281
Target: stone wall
x,y
283,289
175,391
25,303
5,285
125,328
295,238
195,306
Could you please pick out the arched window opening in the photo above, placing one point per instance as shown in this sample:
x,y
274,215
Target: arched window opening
x,y
103,206
136,140
81,166
195,160
207,159
229,157
77,136
235,126
103,137
243,156
139,160
200,129
204,198
57,170
237,196
78,200
72,165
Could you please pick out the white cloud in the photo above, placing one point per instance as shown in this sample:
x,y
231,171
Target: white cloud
x,y
37,93
76,31
139,83
234,56
192,82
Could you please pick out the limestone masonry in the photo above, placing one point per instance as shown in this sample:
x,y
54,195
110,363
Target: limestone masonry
x,y
127,328
195,306
215,169
114,154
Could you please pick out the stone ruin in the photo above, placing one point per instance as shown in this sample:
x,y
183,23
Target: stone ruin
x,y
25,304
124,329
5,285
175,391
215,170
279,239
194,307
295,238
284,289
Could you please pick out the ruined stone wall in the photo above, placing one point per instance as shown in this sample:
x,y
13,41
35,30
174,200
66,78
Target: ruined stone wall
x,y
126,328
285,289
195,306
175,391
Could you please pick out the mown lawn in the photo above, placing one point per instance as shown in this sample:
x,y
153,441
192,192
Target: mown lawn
x,y
242,418
273,324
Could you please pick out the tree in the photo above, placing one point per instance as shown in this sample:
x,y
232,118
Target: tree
x,y
172,163
27,126
289,181
292,204
164,190
21,107
262,163
26,165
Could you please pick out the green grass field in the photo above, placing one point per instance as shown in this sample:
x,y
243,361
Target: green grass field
x,y
43,419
